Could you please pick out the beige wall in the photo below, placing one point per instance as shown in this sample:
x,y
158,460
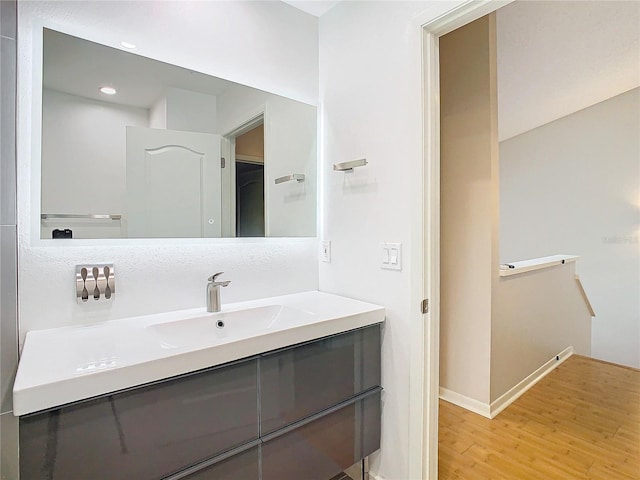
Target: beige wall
x,y
251,143
536,315
469,196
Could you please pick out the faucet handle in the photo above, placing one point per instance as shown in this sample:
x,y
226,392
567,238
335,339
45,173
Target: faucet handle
x,y
213,277
215,283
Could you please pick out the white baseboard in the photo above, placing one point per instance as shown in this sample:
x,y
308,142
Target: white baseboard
x,y
506,399
355,471
465,402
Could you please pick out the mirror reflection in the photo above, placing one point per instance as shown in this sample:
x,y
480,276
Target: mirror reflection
x,y
137,148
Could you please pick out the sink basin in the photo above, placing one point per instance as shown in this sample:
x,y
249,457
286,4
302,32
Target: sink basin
x,y
236,324
68,364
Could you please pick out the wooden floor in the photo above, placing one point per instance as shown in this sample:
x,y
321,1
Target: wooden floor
x,y
582,421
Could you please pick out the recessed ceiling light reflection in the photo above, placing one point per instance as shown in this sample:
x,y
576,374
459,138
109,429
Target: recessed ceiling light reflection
x,y
108,90
128,45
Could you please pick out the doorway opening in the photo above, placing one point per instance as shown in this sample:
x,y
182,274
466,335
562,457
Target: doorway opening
x,y
428,393
243,185
436,227
249,183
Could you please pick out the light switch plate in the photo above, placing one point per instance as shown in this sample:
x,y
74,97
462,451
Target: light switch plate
x,y
391,256
325,251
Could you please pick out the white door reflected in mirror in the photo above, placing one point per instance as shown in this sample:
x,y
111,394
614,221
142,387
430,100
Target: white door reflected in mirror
x,y
173,184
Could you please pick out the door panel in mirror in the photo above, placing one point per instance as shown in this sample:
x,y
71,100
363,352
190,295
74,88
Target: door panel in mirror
x,y
170,187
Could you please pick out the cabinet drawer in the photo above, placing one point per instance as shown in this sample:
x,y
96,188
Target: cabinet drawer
x,y
306,379
239,466
144,433
322,447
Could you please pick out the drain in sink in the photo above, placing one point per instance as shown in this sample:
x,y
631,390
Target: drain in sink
x,y
220,324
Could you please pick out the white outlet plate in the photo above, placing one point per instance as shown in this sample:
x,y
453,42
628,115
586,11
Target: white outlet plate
x,y
391,256
325,251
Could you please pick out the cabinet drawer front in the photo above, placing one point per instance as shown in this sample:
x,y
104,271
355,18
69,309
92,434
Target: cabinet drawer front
x,y
241,466
306,379
326,446
144,433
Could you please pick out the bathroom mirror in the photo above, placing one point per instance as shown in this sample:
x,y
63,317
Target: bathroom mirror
x,y
137,148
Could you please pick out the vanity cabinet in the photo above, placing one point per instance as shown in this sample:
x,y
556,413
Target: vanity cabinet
x,y
143,433
307,411
238,464
322,446
299,381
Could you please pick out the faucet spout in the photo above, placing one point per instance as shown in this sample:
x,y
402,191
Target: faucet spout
x,y
213,292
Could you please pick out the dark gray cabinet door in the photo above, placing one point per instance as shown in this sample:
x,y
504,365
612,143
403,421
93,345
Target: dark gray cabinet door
x,y
325,446
306,379
145,433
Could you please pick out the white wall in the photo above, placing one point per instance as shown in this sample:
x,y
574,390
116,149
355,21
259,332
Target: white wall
x,y
190,111
573,186
536,316
161,275
88,144
370,93
158,113
290,147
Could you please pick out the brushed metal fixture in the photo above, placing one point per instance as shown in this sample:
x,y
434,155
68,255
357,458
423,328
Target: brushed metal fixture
x,y
47,216
95,282
424,305
292,176
213,292
348,167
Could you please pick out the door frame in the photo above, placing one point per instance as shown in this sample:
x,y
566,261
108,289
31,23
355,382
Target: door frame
x,y
427,395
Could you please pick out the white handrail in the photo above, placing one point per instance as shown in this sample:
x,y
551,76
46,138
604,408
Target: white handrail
x,y
584,296
514,268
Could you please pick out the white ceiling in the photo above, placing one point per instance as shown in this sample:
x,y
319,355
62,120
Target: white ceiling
x,y
140,81
558,57
316,8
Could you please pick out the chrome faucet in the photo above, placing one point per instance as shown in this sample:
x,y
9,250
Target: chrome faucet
x,y
213,292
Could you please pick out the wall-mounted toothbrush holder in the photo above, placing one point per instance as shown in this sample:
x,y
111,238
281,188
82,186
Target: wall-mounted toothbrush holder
x,y
95,282
348,167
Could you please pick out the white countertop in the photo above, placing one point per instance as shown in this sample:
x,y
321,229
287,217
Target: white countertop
x,y
64,365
